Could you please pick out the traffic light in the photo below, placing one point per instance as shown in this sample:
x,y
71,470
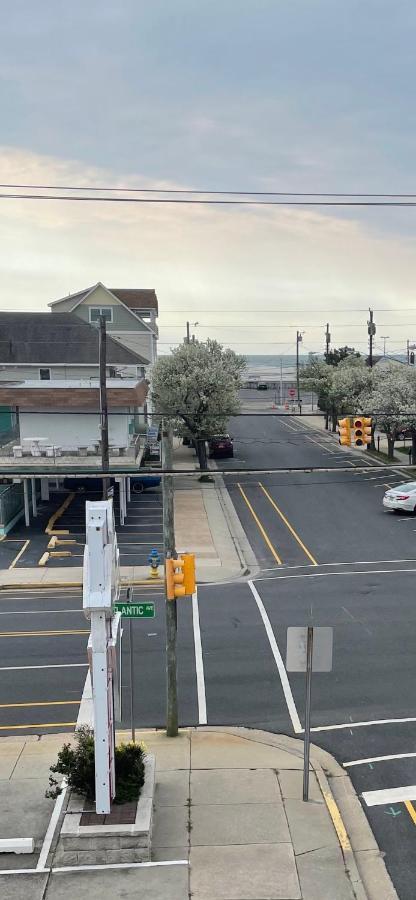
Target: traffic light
x,y
344,430
362,431
180,576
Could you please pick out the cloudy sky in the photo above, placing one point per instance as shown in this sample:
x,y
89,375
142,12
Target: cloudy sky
x,y
254,95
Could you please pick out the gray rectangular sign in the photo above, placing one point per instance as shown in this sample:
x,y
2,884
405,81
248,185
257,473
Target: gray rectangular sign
x,y
296,649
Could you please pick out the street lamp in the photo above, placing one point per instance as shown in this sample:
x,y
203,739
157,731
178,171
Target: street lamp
x,y
298,341
188,331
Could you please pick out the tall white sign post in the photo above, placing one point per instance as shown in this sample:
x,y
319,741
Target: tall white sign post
x,y
101,587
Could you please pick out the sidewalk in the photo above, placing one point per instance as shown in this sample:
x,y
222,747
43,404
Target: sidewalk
x,y
229,824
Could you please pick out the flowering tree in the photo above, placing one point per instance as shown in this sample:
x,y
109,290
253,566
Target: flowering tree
x,y
196,387
391,402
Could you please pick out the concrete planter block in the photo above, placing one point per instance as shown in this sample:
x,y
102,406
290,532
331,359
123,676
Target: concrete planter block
x,y
98,844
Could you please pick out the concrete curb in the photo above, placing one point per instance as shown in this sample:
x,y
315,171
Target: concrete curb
x,y
242,545
364,863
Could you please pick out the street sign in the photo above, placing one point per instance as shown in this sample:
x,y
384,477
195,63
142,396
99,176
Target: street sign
x,y
292,392
308,649
296,652
135,610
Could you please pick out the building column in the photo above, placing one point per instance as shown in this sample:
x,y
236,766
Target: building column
x,y
128,485
34,503
44,489
26,501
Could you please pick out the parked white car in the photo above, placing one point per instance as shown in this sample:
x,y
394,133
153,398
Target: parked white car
x,y
401,498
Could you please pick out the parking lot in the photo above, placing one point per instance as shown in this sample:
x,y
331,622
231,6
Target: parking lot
x,y
142,530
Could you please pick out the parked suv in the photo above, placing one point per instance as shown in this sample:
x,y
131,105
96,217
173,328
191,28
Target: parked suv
x,y
221,445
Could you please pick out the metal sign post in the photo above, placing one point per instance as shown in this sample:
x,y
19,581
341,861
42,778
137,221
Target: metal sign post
x,y
130,610
309,649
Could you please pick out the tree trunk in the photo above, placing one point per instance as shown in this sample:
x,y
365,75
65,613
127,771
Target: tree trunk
x,y
202,458
390,445
326,420
372,445
334,419
413,456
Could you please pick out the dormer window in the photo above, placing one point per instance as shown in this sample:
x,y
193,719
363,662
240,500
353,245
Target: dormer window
x,y
97,311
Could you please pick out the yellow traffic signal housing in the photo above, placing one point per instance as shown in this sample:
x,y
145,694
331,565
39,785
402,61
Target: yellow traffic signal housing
x,y
344,430
362,431
180,576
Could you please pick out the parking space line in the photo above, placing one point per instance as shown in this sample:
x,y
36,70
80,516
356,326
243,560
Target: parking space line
x,y
289,526
20,553
291,706
260,527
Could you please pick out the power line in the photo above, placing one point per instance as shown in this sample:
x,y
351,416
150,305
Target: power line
x,y
193,191
215,202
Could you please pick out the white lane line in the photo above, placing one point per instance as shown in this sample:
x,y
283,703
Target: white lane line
x,y
199,662
337,574
49,666
297,727
355,562
374,759
390,795
364,724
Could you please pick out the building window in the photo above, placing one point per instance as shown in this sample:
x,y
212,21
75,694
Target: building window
x,y
97,311
45,374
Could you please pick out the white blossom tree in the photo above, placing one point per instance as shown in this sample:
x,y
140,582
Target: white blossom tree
x,y
196,387
391,402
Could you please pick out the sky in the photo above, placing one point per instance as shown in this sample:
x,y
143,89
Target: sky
x,y
247,95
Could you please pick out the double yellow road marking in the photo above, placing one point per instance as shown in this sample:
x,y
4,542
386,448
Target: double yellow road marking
x,y
263,531
9,634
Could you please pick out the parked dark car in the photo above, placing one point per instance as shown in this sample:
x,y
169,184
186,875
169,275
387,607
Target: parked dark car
x,y
262,386
221,445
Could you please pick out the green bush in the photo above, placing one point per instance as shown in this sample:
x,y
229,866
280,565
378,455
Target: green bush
x,y
77,765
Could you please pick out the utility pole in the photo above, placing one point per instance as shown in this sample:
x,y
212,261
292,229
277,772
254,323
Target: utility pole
x,y
102,354
170,605
327,342
371,333
281,382
384,338
188,333
298,341
408,351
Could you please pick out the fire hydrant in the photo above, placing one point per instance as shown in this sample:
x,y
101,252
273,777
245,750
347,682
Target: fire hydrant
x,y
154,560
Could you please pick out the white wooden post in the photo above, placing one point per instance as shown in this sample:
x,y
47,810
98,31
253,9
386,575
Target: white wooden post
x,y
100,591
34,503
26,501
128,484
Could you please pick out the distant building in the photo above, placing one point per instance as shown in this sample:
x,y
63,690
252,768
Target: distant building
x,y
130,314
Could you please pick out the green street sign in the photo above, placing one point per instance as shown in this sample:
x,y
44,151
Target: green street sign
x,y
135,610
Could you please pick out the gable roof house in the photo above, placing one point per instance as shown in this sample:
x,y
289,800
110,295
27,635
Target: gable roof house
x,y
130,315
40,346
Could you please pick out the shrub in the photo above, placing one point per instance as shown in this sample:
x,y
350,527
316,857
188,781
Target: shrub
x,y
76,763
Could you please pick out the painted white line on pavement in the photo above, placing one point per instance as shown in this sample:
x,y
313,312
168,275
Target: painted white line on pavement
x,y
199,662
297,727
104,867
364,724
49,666
355,562
337,574
374,759
85,717
38,612
390,795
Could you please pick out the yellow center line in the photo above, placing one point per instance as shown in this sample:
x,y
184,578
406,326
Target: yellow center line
x,y
43,633
40,703
289,526
39,725
411,810
260,527
20,553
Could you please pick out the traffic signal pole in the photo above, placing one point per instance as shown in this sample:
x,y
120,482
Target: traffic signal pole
x,y
102,353
170,605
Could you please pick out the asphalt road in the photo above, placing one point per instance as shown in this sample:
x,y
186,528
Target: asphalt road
x,y
329,555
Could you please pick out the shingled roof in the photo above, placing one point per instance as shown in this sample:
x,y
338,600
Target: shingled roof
x,y
43,339
139,299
